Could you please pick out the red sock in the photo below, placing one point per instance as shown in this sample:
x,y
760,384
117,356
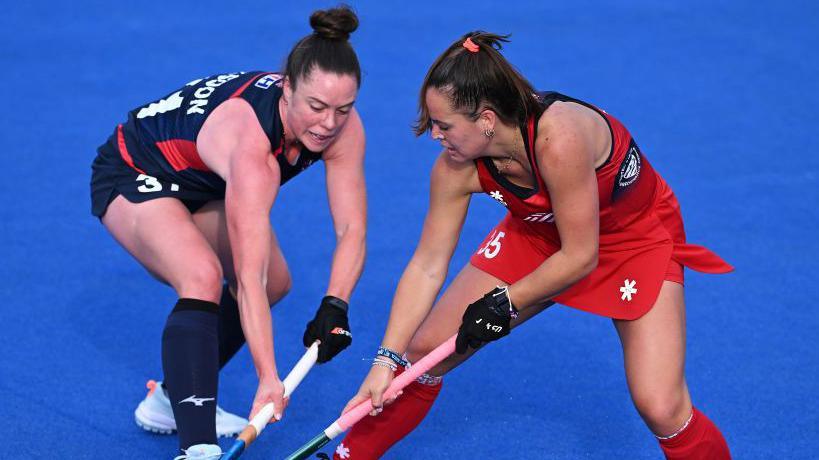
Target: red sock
x,y
372,436
700,440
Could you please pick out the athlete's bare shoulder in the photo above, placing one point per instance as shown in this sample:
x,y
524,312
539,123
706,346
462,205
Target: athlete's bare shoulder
x,y
231,127
566,127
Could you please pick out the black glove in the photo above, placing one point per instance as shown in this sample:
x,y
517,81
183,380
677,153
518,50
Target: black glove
x,y
485,320
330,325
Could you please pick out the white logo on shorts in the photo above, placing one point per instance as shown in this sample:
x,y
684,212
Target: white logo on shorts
x,y
628,289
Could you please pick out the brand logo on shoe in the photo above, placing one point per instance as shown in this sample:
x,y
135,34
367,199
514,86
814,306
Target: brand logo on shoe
x,y
196,401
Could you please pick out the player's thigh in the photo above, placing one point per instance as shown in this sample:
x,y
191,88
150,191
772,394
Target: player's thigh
x,y
212,222
654,358
162,236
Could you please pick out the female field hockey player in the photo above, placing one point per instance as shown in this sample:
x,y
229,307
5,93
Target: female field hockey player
x,y
186,186
590,225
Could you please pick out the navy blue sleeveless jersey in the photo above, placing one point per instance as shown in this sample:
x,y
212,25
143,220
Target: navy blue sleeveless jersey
x,y
153,154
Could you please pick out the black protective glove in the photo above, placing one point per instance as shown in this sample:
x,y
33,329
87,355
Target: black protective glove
x,y
485,320
331,327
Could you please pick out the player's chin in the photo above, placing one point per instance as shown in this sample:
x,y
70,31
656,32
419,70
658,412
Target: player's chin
x,y
456,155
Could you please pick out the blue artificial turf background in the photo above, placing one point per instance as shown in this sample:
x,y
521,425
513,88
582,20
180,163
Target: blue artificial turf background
x,y
720,95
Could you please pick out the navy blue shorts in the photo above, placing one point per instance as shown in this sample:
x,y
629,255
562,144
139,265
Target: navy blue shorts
x,y
111,177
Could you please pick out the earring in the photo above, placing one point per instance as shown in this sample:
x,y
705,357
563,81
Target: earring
x,y
489,133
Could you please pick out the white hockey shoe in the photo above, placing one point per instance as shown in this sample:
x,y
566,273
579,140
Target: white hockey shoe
x,y
201,452
154,414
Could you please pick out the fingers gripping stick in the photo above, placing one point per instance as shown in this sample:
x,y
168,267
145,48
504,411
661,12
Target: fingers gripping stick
x,y
260,421
355,414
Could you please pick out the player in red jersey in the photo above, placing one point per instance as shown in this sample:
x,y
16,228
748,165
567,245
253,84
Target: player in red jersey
x,y
186,186
590,225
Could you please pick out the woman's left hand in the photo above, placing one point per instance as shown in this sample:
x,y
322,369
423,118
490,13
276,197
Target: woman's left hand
x,y
331,327
488,318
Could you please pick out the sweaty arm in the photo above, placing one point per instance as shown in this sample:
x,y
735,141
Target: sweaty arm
x,y
566,161
347,196
451,187
234,146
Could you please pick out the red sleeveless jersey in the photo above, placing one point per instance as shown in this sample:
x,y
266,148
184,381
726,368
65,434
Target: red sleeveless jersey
x,y
641,228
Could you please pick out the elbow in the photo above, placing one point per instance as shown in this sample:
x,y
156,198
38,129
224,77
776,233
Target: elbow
x,y
357,232
590,263
583,263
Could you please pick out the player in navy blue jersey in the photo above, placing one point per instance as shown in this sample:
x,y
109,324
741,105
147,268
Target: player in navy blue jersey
x,y
186,186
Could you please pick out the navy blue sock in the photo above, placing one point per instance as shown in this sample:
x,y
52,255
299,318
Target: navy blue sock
x,y
231,337
190,361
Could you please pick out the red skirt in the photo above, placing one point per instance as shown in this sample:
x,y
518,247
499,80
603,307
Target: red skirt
x,y
632,263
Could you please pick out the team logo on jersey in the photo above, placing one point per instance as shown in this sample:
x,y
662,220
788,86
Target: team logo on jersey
x,y
629,170
498,196
540,217
267,81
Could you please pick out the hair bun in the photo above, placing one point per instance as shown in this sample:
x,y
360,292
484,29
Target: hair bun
x,y
335,23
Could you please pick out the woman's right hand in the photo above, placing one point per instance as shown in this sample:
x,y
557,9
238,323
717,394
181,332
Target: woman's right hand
x,y
374,386
270,391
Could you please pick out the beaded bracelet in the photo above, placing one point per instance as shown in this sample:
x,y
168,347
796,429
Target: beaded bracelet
x,y
386,352
384,360
390,366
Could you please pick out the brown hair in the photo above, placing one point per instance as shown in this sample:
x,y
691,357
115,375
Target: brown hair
x,y
475,81
327,47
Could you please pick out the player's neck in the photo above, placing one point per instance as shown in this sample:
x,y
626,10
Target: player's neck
x,y
290,139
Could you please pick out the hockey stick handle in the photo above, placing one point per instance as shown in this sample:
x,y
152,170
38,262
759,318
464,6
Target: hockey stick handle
x,y
260,421
351,417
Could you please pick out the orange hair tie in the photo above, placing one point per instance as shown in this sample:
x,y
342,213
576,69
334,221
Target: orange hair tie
x,y
470,45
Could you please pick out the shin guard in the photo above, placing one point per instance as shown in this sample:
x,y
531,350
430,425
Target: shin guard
x,y
371,437
231,336
190,361
699,440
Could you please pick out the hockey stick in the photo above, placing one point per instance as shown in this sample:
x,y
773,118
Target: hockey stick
x,y
351,417
259,422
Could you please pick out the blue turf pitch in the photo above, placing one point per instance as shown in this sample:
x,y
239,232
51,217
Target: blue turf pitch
x,y
721,96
